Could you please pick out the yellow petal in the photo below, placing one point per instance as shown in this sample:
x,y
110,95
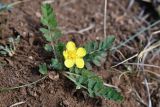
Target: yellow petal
x,y
69,63
81,52
79,63
71,46
65,54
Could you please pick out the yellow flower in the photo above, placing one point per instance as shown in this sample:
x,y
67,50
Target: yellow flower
x,y
74,56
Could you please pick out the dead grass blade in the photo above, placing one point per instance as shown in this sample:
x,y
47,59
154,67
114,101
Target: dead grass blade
x,y
105,17
139,64
141,59
136,35
17,104
21,86
125,60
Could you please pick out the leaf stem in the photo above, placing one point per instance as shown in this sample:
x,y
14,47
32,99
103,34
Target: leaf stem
x,y
52,44
65,74
21,86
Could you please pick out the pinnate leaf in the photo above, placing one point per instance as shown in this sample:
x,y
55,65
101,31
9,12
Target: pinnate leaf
x,y
96,51
48,19
84,78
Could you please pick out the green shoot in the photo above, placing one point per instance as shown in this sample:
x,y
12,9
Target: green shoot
x,y
51,32
11,47
48,19
43,69
4,7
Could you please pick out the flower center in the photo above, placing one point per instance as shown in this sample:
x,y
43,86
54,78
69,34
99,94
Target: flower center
x,y
72,54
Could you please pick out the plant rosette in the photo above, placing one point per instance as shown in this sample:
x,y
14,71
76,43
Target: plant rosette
x,y
76,62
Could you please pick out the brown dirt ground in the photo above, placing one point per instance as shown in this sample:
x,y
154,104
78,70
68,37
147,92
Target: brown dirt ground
x,y
72,15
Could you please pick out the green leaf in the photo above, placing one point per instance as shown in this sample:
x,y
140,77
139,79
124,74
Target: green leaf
x,y
107,43
91,84
48,48
2,47
56,64
59,48
48,16
90,47
84,78
96,51
44,30
88,66
48,19
3,53
10,48
43,69
57,34
98,86
96,62
49,37
91,93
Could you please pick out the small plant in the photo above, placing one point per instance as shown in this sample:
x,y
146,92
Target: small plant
x,y
75,63
4,7
10,48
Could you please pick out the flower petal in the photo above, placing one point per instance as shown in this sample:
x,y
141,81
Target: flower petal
x,y
65,54
71,46
81,52
79,63
69,63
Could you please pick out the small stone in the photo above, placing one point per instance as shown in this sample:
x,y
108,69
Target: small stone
x,y
97,38
23,91
53,76
30,57
24,34
38,14
32,93
51,91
